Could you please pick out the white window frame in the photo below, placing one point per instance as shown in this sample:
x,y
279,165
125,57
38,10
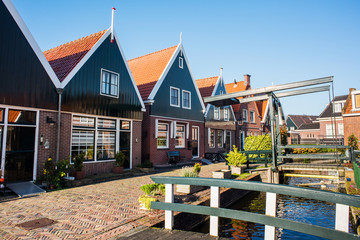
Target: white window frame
x,y
181,62
338,106
226,114
118,83
253,118
178,90
353,98
212,138
244,115
183,133
340,129
216,113
185,91
167,136
329,129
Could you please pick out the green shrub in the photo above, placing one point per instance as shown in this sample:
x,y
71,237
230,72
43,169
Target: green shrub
x,y
153,189
79,161
262,142
120,159
353,142
146,200
188,172
236,158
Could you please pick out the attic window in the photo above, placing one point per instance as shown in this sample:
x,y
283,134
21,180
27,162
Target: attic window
x,y
338,107
109,83
181,62
356,100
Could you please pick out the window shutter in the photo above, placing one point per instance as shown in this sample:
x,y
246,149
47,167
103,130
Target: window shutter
x,y
224,136
174,129
187,131
209,130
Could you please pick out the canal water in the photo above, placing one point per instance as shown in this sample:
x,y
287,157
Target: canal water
x,y
292,208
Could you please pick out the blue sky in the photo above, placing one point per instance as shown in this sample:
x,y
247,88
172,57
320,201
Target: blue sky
x,y
274,41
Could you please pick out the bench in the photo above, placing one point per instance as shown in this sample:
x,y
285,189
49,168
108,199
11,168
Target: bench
x,y
174,157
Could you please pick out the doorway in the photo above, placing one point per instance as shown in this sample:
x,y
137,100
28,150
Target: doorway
x,y
195,141
18,140
228,141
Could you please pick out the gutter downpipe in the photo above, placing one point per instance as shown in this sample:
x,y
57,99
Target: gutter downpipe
x,y
59,91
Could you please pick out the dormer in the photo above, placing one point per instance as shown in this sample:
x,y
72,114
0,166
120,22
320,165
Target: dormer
x,y
355,98
338,106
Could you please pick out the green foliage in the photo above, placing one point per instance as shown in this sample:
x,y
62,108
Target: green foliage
x,y
55,173
236,158
283,135
120,158
188,172
262,142
79,161
153,189
353,142
197,168
146,200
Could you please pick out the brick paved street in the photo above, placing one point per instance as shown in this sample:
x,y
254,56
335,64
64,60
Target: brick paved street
x,y
97,211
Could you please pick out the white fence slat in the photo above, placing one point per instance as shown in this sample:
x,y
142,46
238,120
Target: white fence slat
x,y
270,211
342,217
169,198
215,203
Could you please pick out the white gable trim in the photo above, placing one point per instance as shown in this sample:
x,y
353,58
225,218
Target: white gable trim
x,y
24,29
131,76
166,70
266,113
84,59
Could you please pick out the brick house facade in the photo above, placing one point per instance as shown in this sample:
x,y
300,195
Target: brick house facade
x,y
351,115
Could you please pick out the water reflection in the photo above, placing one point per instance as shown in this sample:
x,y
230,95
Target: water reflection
x,y
293,208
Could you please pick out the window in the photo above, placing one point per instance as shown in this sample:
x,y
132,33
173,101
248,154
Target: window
x,y
109,83
180,136
217,113
181,62
244,115
329,130
79,121
1,115
82,141
106,136
341,129
105,145
252,117
357,101
163,136
226,114
174,97
186,99
212,138
22,117
338,107
220,139
125,125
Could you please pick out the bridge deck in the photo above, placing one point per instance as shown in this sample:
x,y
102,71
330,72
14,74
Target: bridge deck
x,y
152,233
309,167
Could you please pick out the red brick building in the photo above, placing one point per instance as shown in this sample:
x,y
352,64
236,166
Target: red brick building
x,y
351,115
174,118
251,117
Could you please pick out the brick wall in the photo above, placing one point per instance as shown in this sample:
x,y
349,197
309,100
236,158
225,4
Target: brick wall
x,y
48,133
351,126
159,156
136,143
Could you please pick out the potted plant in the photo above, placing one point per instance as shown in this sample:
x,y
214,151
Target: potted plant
x,y
119,165
236,160
189,172
78,165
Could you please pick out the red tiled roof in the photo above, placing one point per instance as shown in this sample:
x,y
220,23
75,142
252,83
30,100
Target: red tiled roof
x,y
239,86
261,106
206,85
65,57
147,69
301,119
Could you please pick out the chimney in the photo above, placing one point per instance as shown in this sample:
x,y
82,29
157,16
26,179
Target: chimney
x,y
247,79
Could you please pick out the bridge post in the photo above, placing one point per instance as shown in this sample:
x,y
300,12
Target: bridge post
x,y
270,211
169,198
342,217
215,203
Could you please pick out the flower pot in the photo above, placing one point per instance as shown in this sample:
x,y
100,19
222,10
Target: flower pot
x,y
188,189
237,170
226,174
79,174
117,169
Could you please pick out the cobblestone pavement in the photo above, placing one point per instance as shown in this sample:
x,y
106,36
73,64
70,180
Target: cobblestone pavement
x,y
98,211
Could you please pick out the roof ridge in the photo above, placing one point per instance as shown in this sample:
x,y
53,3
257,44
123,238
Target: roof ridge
x,y
76,40
152,53
206,78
